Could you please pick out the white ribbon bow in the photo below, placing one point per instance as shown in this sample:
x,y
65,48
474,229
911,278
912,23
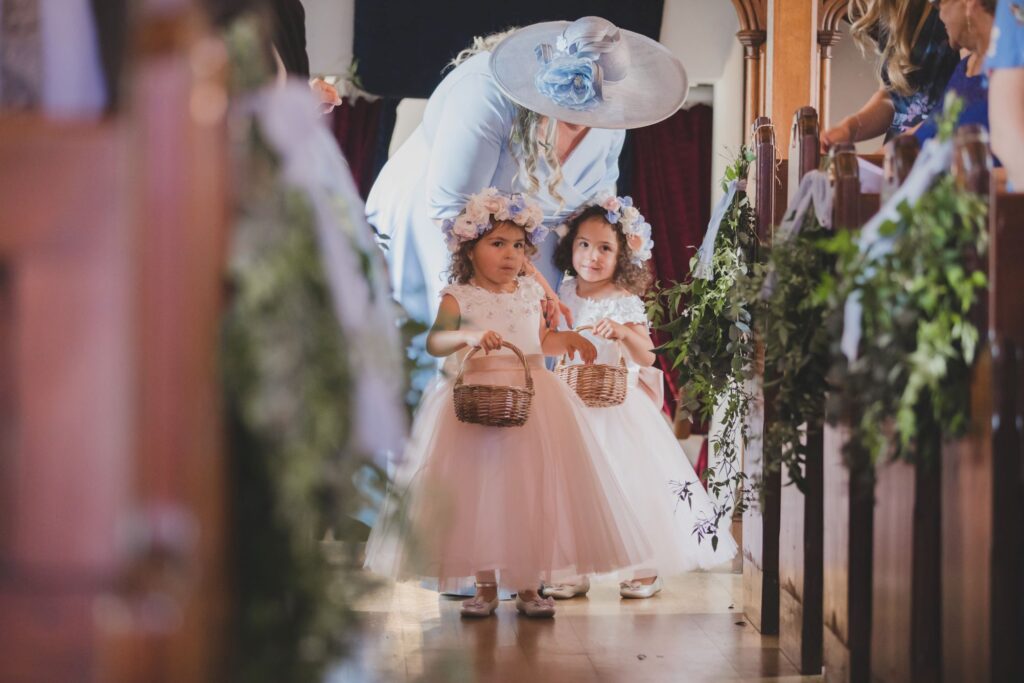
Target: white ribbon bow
x,y
705,255
933,161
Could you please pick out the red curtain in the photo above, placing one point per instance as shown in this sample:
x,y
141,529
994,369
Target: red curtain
x,y
363,130
671,185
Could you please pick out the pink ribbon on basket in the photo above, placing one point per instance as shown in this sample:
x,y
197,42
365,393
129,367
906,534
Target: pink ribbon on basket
x,y
652,381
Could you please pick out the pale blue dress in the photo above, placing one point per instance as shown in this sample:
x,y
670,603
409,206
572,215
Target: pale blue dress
x,y
461,147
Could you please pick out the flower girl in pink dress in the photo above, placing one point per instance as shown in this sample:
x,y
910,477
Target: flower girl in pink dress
x,y
509,505
604,247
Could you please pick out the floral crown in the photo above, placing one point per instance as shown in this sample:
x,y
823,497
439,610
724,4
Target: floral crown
x,y
475,220
620,211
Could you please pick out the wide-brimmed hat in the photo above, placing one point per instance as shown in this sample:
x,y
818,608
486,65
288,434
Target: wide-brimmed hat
x,y
589,72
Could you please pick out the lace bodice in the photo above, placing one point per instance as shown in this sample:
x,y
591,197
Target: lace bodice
x,y
628,308
514,315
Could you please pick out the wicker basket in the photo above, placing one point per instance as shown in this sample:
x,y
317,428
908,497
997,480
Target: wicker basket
x,y
600,386
493,405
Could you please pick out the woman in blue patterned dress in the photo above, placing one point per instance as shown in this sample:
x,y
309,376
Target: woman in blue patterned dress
x,y
917,62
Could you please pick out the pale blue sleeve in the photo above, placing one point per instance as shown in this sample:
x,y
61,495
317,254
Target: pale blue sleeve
x,y
473,127
1006,44
611,174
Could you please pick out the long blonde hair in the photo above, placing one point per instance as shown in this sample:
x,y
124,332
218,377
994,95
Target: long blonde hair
x,y
898,22
533,136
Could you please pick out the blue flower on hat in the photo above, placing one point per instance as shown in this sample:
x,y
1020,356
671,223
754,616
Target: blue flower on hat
x,y
570,82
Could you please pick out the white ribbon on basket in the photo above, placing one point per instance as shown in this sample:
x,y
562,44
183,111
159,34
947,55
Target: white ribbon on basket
x,y
705,255
311,161
933,161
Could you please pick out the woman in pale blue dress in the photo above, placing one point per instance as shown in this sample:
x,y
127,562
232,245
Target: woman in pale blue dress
x,y
488,124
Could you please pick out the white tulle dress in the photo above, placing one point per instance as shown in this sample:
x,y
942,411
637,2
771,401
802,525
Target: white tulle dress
x,y
537,502
647,460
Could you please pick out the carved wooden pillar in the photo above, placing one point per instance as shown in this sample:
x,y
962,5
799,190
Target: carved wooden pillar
x,y
753,50
826,39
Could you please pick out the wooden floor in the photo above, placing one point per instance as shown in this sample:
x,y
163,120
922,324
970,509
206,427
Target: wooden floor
x,y
694,632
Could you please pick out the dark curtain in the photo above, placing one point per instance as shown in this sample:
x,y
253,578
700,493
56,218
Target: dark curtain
x,y
363,130
669,177
402,45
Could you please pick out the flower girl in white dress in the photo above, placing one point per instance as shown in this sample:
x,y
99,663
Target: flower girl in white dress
x,y
604,248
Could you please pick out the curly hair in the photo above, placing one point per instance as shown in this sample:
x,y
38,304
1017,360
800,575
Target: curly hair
x,y
461,268
628,275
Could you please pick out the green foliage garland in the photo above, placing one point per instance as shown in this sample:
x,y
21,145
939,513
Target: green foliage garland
x,y
792,321
289,376
910,383
711,344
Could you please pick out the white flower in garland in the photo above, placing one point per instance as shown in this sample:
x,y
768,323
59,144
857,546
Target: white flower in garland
x,y
620,211
475,219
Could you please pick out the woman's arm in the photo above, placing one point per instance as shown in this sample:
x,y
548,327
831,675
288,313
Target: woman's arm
x,y
471,131
872,120
1006,118
445,337
633,336
552,307
611,164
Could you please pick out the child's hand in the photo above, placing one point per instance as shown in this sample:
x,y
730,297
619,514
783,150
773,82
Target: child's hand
x,y
488,340
575,342
609,329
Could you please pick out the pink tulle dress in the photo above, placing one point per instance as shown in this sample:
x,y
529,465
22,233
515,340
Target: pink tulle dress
x,y
647,461
536,502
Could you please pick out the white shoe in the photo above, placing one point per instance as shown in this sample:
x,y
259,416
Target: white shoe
x,y
476,607
538,607
635,589
564,591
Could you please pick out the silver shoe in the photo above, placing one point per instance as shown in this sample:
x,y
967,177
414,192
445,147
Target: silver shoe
x,y
538,607
637,590
565,591
476,607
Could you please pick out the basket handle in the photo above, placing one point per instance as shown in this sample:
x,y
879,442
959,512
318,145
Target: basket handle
x,y
564,357
507,345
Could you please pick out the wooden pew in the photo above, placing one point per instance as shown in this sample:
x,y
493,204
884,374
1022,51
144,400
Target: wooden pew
x,y
906,597
800,529
982,490
847,493
761,522
112,494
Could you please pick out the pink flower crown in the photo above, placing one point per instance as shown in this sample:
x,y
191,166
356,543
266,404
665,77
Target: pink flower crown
x,y
475,220
620,211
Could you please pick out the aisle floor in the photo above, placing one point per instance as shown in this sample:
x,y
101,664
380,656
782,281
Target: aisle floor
x,y
694,632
